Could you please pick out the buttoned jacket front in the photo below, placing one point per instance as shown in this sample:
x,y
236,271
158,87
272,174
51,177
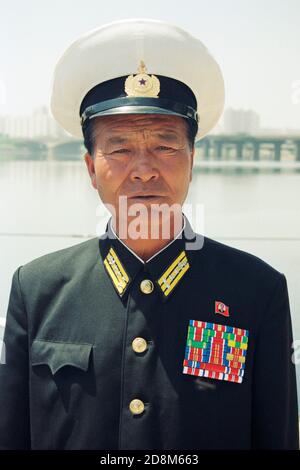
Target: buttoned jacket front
x,y
96,361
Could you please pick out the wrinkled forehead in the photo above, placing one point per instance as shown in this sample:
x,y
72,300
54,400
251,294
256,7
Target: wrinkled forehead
x,y
139,126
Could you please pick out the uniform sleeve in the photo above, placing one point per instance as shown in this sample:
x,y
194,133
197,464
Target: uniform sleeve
x,y
275,410
14,393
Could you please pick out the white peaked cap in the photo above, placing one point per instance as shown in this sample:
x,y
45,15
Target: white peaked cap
x,y
116,50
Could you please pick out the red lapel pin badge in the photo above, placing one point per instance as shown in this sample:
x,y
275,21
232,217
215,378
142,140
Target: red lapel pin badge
x,y
221,308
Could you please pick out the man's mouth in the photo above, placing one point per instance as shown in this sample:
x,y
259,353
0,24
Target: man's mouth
x,y
144,196
149,197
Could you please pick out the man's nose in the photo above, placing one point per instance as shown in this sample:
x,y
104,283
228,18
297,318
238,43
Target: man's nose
x,y
144,167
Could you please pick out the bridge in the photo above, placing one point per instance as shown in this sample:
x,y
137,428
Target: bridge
x,y
218,147
247,147
213,148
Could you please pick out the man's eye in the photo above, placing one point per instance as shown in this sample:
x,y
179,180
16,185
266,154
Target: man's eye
x,y
163,147
121,151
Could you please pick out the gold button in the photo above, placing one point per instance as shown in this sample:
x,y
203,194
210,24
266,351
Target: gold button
x,y
139,345
136,406
146,286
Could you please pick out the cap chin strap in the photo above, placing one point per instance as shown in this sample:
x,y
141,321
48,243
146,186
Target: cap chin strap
x,y
143,105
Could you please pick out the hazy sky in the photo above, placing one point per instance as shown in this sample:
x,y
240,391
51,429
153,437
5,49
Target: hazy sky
x,y
256,42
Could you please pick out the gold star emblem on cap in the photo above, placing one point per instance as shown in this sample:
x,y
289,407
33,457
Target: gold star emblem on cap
x,y
142,84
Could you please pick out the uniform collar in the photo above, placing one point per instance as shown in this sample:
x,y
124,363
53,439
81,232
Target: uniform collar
x,y
155,254
168,268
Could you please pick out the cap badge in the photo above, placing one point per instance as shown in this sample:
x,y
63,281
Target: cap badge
x,y
142,84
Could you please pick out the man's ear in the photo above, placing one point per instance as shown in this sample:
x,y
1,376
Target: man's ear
x,y
89,161
192,163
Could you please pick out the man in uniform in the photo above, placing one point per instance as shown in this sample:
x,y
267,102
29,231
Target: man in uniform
x,y
141,342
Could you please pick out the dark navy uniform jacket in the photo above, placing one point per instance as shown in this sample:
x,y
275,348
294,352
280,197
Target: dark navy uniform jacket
x,y
95,356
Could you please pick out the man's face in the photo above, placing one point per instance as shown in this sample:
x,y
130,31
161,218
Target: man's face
x,y
144,157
